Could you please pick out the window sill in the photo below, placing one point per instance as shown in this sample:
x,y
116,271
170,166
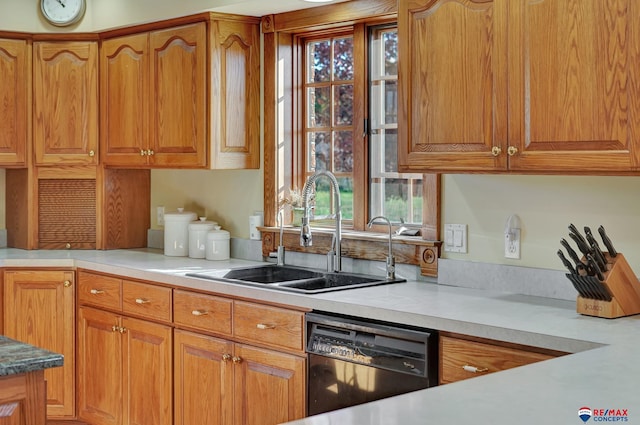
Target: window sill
x,y
361,245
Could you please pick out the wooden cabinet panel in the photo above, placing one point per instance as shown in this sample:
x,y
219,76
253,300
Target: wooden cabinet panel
x,y
271,326
203,380
65,98
147,372
178,93
15,104
100,367
124,100
99,290
487,358
207,313
235,108
268,387
141,299
498,94
39,309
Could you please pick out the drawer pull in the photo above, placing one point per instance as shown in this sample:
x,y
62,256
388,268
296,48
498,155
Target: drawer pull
x,y
263,326
199,312
474,369
142,300
96,291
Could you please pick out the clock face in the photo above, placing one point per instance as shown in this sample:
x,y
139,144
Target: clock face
x,y
62,12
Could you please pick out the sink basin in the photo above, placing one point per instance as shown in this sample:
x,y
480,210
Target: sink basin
x,y
296,279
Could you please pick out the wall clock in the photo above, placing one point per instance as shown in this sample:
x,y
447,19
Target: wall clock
x,y
63,12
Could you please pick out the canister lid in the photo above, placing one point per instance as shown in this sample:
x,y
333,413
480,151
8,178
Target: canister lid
x,y
217,234
181,216
202,224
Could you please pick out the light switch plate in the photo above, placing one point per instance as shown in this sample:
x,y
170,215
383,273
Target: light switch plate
x,y
455,238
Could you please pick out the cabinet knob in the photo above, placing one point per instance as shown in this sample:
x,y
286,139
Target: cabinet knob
x,y
199,312
67,283
496,150
96,291
143,152
237,359
265,326
142,300
226,357
68,246
512,150
92,153
150,152
114,328
122,330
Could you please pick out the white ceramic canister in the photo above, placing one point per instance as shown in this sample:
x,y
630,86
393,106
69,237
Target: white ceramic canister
x,y
176,232
217,244
198,236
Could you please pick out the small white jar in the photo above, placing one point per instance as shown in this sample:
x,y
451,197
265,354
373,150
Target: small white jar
x,y
217,244
176,232
198,236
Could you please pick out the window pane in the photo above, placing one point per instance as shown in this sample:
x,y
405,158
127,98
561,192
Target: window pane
x,y
343,51
319,105
390,141
390,102
319,148
319,60
346,197
390,40
343,95
343,152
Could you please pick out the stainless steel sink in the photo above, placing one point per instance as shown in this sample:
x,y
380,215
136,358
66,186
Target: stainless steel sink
x,y
295,279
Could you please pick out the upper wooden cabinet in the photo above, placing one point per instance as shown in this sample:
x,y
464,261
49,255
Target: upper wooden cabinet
x,y
483,89
182,97
65,101
15,104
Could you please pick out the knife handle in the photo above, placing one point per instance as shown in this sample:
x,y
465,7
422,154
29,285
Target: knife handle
x,y
595,268
607,242
572,254
582,245
566,262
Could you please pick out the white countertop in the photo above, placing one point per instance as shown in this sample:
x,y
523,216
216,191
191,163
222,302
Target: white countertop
x,y
601,375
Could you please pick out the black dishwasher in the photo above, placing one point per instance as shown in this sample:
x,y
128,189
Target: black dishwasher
x,y
353,360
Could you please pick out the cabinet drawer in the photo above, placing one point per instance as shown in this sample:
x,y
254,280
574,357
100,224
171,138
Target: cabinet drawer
x,y
146,300
487,358
98,290
205,312
268,325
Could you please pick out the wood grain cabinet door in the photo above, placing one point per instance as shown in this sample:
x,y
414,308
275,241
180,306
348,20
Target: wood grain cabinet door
x,y
178,96
203,380
15,67
269,386
452,85
39,309
574,88
124,100
65,96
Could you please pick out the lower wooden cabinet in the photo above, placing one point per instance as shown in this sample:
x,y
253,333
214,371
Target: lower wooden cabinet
x,y
218,382
124,370
462,358
39,309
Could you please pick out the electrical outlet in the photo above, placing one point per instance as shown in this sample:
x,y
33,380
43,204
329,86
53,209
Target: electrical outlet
x,y
512,244
160,215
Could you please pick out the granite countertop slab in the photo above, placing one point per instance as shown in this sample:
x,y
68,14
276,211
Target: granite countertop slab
x,y
17,357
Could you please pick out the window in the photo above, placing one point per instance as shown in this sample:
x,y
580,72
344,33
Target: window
x,y
331,112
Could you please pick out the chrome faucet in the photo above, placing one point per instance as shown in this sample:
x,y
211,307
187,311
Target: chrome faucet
x,y
335,261
280,255
391,262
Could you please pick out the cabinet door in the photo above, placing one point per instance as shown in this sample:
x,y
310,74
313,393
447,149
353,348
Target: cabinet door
x,y
124,100
452,85
203,380
269,386
178,96
235,109
147,362
65,95
15,67
99,367
39,309
573,87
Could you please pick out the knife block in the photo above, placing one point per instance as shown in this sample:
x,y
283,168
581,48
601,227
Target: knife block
x,y
624,287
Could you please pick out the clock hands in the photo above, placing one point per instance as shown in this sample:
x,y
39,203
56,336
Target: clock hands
x,y
61,3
